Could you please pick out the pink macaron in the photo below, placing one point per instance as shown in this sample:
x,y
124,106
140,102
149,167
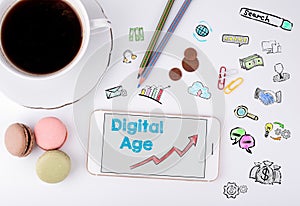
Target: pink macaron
x,y
50,133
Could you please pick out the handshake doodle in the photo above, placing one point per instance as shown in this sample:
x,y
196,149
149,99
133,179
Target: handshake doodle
x,y
268,97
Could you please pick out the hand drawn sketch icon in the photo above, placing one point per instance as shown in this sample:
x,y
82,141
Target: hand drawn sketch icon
x,y
202,31
252,61
136,34
281,76
271,47
268,97
266,173
115,92
126,59
232,190
277,131
153,92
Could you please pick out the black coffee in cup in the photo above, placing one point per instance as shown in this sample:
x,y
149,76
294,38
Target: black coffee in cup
x,y
41,37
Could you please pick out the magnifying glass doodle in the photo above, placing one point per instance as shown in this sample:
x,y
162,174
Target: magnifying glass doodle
x,y
242,112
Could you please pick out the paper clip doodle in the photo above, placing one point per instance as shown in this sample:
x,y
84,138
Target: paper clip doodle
x,y
222,78
233,85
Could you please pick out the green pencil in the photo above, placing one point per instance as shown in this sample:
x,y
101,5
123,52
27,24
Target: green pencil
x,y
155,36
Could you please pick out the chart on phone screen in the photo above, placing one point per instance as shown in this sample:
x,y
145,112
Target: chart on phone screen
x,y
163,146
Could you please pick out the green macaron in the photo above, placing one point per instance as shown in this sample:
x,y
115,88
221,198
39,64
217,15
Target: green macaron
x,y
53,166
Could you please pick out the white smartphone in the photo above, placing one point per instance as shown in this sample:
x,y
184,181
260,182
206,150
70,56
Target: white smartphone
x,y
153,145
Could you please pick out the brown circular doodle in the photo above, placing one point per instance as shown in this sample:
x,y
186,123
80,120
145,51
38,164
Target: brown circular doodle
x,y
190,66
190,54
175,74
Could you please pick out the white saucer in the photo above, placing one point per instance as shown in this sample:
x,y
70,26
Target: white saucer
x,y
59,91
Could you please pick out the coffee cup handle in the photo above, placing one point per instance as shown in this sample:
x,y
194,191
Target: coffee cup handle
x,y
97,24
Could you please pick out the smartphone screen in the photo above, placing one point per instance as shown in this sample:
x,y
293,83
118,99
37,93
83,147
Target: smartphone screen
x,y
162,146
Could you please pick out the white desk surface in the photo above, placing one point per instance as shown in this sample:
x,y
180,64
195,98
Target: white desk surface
x,y
19,184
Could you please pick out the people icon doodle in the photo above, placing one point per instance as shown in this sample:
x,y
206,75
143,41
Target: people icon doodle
x,y
246,141
281,76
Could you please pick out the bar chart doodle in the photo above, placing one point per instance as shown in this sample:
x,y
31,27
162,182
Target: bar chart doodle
x,y
155,93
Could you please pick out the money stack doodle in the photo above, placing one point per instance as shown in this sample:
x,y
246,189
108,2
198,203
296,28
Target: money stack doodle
x,y
251,62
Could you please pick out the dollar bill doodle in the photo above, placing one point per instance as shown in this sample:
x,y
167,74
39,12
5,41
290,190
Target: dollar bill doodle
x,y
251,62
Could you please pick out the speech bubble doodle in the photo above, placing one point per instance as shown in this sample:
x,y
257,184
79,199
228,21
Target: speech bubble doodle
x,y
247,142
236,134
235,39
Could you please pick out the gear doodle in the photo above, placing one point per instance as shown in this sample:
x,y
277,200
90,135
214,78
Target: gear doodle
x,y
243,189
286,134
231,190
278,131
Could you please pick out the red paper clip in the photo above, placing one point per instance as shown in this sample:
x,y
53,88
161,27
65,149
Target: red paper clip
x,y
222,78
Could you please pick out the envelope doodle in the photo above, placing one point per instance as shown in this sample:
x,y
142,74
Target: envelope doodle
x,y
115,92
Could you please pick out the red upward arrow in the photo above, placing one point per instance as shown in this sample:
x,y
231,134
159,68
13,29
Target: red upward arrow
x,y
156,160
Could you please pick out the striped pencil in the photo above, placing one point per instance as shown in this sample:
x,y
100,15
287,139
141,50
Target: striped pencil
x,y
155,36
156,54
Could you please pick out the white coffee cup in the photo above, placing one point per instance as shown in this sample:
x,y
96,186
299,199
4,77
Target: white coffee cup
x,y
89,27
